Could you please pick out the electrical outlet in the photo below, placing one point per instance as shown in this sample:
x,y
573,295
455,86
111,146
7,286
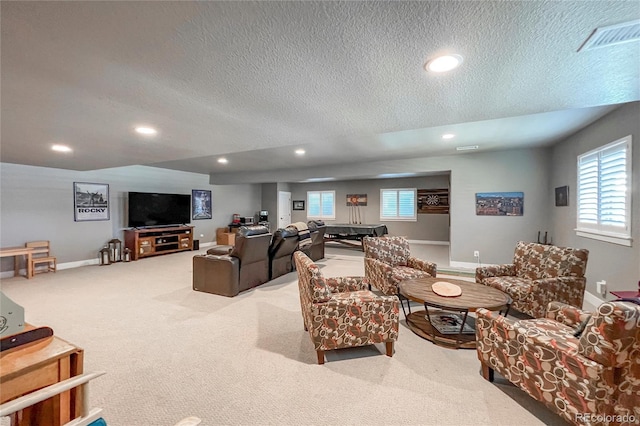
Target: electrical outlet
x,y
601,287
476,253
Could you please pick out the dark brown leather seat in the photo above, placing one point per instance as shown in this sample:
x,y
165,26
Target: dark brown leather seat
x,y
284,243
245,267
317,228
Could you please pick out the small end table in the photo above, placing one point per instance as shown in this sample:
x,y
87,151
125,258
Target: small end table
x,y
626,294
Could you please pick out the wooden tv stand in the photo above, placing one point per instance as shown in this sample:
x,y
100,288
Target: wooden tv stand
x,y
147,242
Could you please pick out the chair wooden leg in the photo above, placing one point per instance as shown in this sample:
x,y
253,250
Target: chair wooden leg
x,y
320,357
487,372
389,348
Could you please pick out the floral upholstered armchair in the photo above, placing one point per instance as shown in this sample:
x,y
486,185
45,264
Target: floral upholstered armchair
x,y
341,312
538,275
387,262
589,377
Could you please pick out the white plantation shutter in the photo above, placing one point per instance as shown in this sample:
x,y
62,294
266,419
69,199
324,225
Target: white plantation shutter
x,y
313,204
588,189
604,190
328,204
321,204
398,204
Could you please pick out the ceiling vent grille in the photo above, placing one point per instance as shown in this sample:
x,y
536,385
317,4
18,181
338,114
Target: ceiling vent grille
x,y
614,34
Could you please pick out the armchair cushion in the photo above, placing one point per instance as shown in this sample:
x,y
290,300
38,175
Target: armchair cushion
x,y
346,284
393,251
566,314
612,336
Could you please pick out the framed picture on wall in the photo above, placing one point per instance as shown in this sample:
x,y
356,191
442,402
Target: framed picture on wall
x,y
356,200
201,204
500,203
298,204
562,196
90,201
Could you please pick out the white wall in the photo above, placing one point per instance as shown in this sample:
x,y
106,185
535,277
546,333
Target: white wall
x,y
37,203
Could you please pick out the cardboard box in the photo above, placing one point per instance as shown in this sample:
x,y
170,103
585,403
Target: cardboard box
x,y
224,237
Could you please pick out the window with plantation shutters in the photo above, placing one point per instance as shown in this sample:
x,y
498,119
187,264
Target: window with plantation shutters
x,y
398,204
321,205
604,193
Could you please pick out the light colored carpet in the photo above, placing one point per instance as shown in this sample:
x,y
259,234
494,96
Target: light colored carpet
x,y
171,352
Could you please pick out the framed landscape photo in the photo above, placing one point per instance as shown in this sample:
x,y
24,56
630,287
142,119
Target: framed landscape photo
x,y
298,204
201,204
90,201
500,203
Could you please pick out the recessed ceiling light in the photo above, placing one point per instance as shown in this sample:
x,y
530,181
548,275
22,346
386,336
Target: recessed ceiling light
x,y
443,63
223,160
61,148
395,175
467,148
448,136
300,151
146,130
319,179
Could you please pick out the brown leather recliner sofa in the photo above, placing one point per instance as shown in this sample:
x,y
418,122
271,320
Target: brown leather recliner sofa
x,y
283,244
317,228
245,267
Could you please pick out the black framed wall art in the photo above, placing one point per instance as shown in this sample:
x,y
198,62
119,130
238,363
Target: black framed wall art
x,y
562,196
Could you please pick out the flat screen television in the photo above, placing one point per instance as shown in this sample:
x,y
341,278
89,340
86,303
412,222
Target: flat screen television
x,y
147,209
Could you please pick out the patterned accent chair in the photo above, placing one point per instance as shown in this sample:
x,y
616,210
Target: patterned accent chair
x,y
592,379
538,275
341,312
387,262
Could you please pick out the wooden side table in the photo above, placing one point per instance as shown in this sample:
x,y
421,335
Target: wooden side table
x,y
33,366
16,252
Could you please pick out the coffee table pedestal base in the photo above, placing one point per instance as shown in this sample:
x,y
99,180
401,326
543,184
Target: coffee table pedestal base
x,y
417,322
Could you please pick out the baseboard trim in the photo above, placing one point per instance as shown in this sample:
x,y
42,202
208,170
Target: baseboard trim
x,y
592,300
463,265
78,263
59,266
435,243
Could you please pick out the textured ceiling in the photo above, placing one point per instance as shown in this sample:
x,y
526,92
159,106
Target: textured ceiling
x,y
254,80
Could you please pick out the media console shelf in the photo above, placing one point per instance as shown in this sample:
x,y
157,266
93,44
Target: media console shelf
x,y
154,241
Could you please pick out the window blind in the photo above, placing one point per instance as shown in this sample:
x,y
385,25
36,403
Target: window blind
x,y
604,200
321,204
398,204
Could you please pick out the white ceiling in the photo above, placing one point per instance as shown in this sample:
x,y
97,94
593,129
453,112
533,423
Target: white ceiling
x,y
254,80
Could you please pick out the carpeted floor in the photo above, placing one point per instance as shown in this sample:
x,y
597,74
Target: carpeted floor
x,y
170,352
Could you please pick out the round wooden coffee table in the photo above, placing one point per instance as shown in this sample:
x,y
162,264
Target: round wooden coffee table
x,y
445,320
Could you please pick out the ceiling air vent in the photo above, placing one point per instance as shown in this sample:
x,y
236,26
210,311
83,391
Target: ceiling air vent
x,y
614,34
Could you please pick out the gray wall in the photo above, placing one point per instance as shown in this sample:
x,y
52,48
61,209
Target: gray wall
x,y
524,170
616,264
270,203
429,227
495,237
37,203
